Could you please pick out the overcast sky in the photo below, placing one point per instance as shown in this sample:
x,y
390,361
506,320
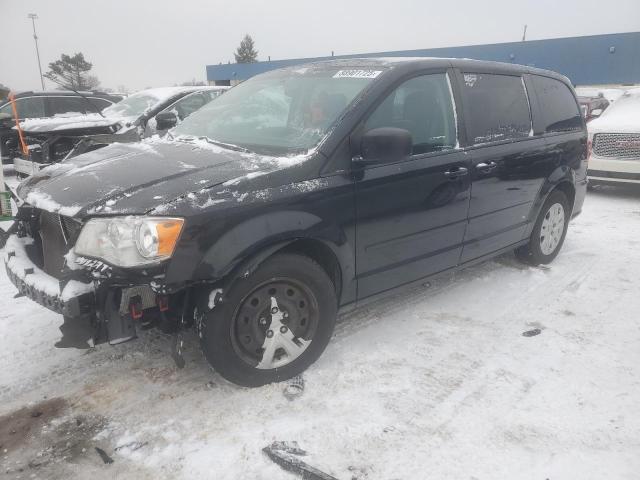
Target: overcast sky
x,y
143,43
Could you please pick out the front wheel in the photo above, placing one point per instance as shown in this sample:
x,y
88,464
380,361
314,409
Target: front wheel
x,y
549,231
273,324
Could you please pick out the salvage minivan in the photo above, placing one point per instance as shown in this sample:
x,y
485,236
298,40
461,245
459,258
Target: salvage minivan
x,y
296,194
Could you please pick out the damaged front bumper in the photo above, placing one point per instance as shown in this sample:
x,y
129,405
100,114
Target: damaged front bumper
x,y
103,309
71,298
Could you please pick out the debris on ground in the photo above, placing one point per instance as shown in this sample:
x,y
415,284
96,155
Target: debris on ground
x,y
294,388
532,333
103,455
285,455
131,446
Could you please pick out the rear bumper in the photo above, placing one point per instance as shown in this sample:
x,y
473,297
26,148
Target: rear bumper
x,y
72,298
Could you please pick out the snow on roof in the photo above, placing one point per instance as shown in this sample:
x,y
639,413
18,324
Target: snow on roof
x,y
164,93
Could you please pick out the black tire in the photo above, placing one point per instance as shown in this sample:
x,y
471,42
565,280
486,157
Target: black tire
x,y
219,328
532,252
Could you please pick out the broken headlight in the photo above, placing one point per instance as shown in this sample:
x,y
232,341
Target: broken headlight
x,y
129,241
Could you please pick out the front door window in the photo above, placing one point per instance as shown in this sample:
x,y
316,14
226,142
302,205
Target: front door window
x,y
424,107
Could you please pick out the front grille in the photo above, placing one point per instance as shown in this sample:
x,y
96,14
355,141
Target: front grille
x,y
624,146
71,228
57,236
54,245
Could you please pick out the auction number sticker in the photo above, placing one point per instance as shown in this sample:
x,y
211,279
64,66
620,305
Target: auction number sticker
x,y
357,73
470,79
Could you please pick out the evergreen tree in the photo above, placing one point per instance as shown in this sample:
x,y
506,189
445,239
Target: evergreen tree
x,y
72,72
246,52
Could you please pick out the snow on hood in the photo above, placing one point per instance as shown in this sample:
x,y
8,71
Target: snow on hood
x,y
621,117
45,202
134,178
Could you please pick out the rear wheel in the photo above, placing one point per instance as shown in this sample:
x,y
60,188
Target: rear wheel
x,y
549,231
273,324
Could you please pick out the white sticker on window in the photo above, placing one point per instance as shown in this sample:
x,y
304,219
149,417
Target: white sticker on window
x,y
470,79
357,73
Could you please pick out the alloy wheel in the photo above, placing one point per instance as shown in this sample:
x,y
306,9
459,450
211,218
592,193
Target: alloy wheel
x,y
552,229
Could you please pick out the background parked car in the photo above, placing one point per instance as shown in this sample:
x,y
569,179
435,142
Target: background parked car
x,y
140,115
592,107
615,142
46,104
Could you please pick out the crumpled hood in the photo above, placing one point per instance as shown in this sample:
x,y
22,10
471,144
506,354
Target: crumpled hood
x,y
74,122
135,178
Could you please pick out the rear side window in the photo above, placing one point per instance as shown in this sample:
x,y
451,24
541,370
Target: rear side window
x,y
560,112
496,108
60,105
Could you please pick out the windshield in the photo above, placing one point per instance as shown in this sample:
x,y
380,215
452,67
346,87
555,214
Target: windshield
x,y
286,111
132,106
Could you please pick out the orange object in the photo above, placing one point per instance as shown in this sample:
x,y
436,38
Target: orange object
x,y
23,145
168,233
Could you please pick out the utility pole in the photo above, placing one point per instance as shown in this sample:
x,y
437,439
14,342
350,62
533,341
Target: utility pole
x,y
33,17
524,34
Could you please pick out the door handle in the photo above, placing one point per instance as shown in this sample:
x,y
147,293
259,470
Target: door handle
x,y
486,167
456,172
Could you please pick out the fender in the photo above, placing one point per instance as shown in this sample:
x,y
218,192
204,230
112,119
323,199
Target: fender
x,y
239,251
562,174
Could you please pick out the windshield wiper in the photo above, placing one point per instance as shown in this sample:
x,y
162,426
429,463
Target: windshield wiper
x,y
229,146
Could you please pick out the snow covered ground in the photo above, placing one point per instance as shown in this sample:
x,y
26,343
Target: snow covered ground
x,y
436,383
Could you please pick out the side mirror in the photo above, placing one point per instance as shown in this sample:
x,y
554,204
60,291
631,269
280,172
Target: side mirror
x,y
166,120
596,112
385,145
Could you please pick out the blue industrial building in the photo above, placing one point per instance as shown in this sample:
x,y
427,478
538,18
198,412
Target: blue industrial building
x,y
589,60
